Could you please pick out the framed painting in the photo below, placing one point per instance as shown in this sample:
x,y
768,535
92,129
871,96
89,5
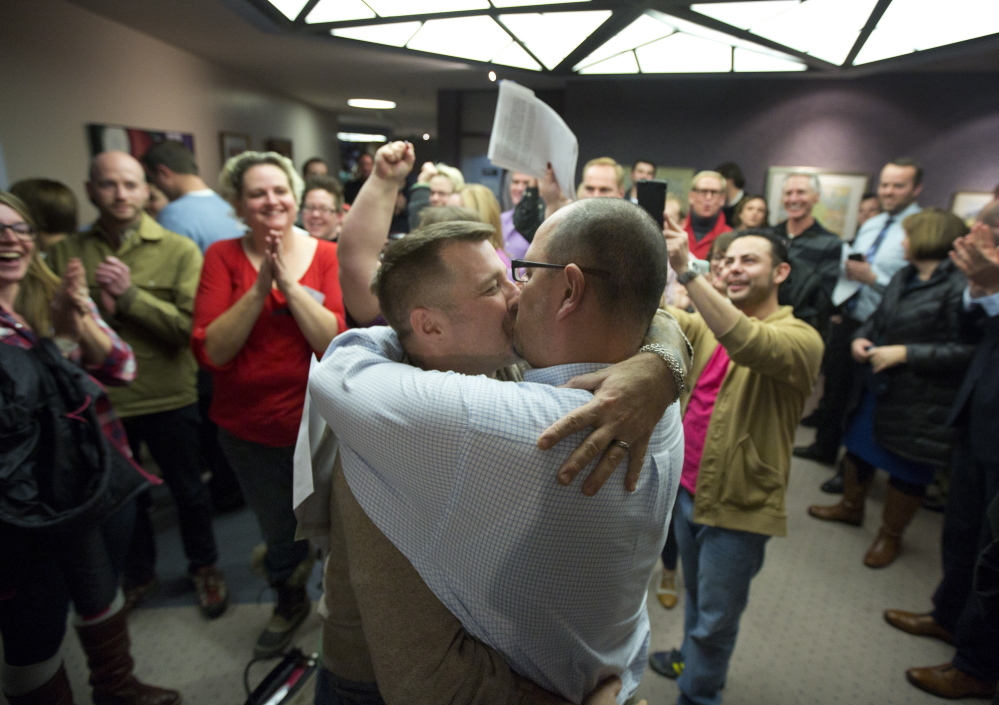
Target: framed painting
x,y
838,204
279,145
233,143
131,140
966,205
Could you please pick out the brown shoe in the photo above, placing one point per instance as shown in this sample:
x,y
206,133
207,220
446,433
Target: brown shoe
x,y
918,624
948,681
900,508
850,509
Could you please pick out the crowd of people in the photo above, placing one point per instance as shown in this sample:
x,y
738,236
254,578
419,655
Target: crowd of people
x,y
518,386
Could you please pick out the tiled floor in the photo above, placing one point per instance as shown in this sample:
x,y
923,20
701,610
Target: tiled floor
x,y
812,633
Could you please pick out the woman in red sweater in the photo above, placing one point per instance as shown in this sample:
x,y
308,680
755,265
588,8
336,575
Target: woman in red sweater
x,y
266,303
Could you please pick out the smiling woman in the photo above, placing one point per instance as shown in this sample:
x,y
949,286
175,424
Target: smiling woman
x,y
267,303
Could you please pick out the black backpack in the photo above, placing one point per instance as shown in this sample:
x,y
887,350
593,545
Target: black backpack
x,y
58,472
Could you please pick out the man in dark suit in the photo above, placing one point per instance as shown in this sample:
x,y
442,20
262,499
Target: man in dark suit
x,y
957,615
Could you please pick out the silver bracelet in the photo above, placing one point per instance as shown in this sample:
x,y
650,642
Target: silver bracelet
x,y
674,366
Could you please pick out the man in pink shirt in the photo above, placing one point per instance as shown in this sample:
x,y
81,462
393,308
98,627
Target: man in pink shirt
x,y
754,366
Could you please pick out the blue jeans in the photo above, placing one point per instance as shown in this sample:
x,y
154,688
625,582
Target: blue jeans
x,y
333,690
718,566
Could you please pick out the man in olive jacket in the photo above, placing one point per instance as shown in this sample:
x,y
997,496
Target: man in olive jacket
x,y
754,366
144,278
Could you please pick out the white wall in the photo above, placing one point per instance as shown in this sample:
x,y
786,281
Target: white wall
x,y
62,67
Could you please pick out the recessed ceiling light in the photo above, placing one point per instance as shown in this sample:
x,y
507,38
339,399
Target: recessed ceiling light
x,y
338,11
359,137
289,8
425,137
396,8
393,35
492,75
371,103
552,36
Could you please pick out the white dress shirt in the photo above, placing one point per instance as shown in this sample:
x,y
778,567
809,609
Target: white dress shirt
x,y
447,466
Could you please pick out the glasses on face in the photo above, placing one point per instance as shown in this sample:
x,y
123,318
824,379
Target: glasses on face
x,y
707,192
319,209
521,269
22,231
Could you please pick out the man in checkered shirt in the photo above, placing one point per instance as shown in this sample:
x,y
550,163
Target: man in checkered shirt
x,y
448,468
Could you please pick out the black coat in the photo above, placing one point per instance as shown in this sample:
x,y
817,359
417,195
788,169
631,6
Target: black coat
x,y
914,399
977,406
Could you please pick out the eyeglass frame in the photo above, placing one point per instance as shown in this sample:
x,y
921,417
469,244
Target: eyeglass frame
x,y
324,209
527,264
31,234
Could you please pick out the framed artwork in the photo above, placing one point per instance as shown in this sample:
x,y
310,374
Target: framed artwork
x,y
838,205
233,143
677,179
279,145
966,205
131,140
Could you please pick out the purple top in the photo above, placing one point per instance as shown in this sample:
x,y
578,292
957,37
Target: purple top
x,y
513,242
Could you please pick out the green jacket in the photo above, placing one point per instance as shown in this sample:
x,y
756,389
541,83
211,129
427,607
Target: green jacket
x,y
153,316
742,481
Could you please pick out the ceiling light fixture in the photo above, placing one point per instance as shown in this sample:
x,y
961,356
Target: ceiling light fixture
x,y
371,103
397,8
552,36
338,11
492,75
426,137
359,137
393,35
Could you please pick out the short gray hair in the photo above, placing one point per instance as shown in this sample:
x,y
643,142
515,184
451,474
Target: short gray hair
x,y
231,178
813,181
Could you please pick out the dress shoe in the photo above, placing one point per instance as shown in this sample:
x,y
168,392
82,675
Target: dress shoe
x,y
948,681
814,453
834,485
812,420
917,624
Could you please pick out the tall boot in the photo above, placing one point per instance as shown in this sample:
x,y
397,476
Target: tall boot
x,y
900,508
107,647
850,509
55,691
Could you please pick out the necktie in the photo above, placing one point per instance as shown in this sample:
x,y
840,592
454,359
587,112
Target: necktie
x,y
851,303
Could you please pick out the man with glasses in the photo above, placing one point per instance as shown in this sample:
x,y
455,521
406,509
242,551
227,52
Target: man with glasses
x,y
706,221
448,465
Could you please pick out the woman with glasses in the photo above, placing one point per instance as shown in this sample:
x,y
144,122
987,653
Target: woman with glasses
x,y
268,302
43,570
322,207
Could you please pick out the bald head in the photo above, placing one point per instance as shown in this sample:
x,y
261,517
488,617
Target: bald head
x,y
118,189
990,214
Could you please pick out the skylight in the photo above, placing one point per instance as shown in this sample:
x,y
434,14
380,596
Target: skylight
x,y
744,15
904,28
644,30
396,8
393,35
514,55
475,38
339,11
551,37
684,53
289,8
524,3
622,63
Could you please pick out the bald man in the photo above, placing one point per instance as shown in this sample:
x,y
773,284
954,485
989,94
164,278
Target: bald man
x,y
143,279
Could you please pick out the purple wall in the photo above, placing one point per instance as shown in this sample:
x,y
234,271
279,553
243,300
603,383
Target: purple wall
x,y
949,122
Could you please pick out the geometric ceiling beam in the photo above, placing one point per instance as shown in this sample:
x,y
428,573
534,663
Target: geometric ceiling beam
x,y
621,18
492,12
711,23
865,33
518,41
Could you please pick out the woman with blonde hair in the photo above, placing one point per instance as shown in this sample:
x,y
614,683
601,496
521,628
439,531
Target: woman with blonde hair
x,y
481,200
76,546
267,303
915,350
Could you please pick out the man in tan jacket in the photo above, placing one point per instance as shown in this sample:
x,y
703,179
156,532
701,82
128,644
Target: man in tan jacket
x,y
754,366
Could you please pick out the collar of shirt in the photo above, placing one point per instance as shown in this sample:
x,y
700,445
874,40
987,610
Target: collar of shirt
x,y
557,375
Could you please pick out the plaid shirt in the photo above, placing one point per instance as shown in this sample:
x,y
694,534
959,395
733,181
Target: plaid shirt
x,y
117,369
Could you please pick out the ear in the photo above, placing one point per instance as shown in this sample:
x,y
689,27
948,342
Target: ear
x,y
427,324
572,294
916,191
781,272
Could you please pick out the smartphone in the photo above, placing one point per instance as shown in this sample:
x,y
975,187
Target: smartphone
x,y
652,197
856,257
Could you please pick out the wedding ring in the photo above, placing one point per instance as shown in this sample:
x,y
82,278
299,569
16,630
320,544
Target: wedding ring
x,y
620,444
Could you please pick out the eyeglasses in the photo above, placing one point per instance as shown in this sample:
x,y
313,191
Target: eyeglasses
x,y
519,268
22,231
319,209
707,192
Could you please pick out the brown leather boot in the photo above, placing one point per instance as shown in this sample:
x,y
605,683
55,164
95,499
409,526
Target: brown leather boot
x,y
899,510
850,509
107,647
55,692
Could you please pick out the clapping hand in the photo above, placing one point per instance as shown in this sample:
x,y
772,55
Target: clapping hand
x,y
69,305
114,278
977,256
274,254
